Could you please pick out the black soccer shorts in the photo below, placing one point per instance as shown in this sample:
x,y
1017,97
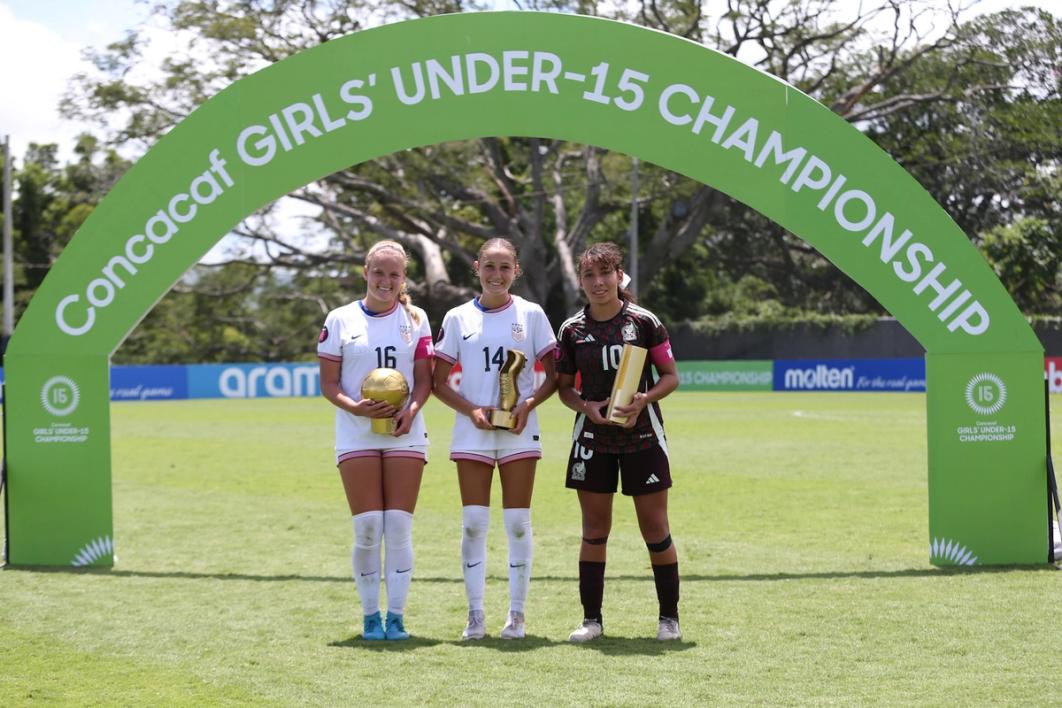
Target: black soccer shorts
x,y
642,472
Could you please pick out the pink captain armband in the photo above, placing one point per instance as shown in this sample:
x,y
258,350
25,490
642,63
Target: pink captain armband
x,y
425,349
661,353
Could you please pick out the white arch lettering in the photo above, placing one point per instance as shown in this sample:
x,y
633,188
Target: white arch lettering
x,y
60,317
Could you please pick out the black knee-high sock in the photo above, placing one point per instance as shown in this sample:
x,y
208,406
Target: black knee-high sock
x,y
667,589
591,588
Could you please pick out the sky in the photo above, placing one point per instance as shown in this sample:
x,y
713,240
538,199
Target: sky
x,y
41,42
40,49
41,45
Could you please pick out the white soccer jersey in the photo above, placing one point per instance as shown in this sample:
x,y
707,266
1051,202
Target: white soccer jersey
x,y
480,339
362,342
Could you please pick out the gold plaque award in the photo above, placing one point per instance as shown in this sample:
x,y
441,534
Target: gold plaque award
x,y
632,361
389,386
508,391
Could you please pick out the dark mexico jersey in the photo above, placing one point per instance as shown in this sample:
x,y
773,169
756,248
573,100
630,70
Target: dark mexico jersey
x,y
593,349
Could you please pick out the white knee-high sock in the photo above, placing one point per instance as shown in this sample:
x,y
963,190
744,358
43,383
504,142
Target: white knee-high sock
x,y
368,530
474,553
398,557
521,552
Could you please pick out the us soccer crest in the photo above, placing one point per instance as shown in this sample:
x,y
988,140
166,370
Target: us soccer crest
x,y
518,333
407,333
579,471
630,334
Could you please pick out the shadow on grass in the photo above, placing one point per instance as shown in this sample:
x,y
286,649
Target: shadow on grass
x,y
608,645
641,646
411,644
647,577
528,643
612,646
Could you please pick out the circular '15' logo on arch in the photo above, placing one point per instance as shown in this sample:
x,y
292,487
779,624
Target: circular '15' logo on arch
x,y
60,395
986,393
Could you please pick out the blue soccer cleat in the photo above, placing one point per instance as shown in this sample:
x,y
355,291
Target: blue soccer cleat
x,y
395,629
373,628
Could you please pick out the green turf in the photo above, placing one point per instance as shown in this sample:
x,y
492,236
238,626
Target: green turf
x,y
800,521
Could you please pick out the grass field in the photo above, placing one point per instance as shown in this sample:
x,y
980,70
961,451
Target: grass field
x,y
800,520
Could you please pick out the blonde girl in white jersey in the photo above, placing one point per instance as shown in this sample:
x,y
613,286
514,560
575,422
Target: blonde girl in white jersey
x,y
381,473
478,334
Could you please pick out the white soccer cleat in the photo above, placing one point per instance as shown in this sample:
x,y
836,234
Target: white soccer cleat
x,y
669,630
476,627
514,626
587,631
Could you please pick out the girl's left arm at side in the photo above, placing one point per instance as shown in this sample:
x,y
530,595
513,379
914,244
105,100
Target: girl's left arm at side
x,y
422,375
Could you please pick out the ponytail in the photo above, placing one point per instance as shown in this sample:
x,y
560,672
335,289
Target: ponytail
x,y
623,292
407,303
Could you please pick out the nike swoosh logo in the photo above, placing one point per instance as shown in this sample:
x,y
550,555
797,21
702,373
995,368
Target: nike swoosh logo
x,y
518,565
354,337
404,571
472,565
372,573
468,335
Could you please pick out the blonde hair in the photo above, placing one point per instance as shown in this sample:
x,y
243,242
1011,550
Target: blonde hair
x,y
403,296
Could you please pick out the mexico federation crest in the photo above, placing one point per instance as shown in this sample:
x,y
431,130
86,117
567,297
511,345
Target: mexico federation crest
x,y
407,333
518,333
579,471
630,334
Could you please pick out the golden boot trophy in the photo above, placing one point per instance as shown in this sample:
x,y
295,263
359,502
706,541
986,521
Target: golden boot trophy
x,y
508,391
389,386
632,361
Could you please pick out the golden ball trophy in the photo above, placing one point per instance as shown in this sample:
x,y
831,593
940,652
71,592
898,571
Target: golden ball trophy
x,y
389,386
632,361
508,391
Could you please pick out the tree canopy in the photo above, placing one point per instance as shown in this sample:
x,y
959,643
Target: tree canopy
x,y
969,105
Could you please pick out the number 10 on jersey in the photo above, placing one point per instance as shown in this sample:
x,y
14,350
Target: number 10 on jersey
x,y
610,356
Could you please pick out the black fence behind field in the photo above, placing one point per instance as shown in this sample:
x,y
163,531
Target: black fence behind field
x,y
883,339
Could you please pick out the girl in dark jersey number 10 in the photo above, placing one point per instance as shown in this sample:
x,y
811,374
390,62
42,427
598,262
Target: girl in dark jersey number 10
x,y
590,343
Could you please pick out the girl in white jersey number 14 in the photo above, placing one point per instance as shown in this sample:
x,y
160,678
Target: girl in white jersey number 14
x,y
380,472
479,335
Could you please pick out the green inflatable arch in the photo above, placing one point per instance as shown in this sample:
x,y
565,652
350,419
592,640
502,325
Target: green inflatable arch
x,y
456,77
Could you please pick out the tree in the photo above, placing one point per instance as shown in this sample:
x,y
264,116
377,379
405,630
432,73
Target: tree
x,y
553,198
50,204
1027,256
234,313
991,156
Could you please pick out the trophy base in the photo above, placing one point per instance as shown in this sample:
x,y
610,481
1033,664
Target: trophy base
x,y
502,419
383,426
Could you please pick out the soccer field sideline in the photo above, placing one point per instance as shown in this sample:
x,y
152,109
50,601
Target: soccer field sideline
x,y
800,521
